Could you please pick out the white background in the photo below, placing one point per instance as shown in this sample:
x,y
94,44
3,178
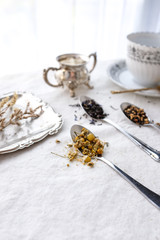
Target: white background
x,y
34,32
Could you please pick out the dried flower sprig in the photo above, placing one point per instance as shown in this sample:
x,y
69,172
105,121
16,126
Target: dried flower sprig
x,y
7,103
17,114
4,101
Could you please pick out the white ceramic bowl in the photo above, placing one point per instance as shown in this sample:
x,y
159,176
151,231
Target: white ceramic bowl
x,y
143,57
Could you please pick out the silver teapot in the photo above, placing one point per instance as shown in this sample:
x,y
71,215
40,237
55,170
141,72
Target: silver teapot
x,y
72,71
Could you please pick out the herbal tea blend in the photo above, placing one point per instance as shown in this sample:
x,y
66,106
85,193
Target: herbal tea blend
x,y
137,115
85,148
89,145
94,109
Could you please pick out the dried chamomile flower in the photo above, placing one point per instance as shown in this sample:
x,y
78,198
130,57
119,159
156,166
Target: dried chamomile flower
x,y
72,154
86,159
90,164
88,144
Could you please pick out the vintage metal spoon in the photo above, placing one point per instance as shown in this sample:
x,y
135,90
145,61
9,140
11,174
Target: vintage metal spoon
x,y
153,153
147,193
125,105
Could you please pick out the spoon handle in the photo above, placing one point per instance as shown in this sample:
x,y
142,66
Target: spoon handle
x,y
153,153
155,126
132,90
147,193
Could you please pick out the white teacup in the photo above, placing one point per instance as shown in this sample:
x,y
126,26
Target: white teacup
x,y
143,57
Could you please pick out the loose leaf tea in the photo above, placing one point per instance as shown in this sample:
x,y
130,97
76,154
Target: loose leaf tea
x,y
94,109
88,144
85,148
137,115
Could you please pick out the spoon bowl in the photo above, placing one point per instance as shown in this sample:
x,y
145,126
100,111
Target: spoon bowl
x,y
74,130
151,196
92,108
153,153
150,122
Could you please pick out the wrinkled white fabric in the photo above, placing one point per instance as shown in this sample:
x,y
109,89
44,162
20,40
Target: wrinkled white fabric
x,y
41,198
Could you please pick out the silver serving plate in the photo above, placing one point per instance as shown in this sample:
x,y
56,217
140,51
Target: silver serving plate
x,y
14,137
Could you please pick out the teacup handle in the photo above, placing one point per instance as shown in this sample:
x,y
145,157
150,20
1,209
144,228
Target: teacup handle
x,y
94,55
45,76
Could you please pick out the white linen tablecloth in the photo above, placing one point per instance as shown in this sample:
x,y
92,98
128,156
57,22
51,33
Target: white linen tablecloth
x,y
43,199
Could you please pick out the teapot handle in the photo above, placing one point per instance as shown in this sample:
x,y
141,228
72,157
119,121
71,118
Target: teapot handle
x,y
45,76
94,55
